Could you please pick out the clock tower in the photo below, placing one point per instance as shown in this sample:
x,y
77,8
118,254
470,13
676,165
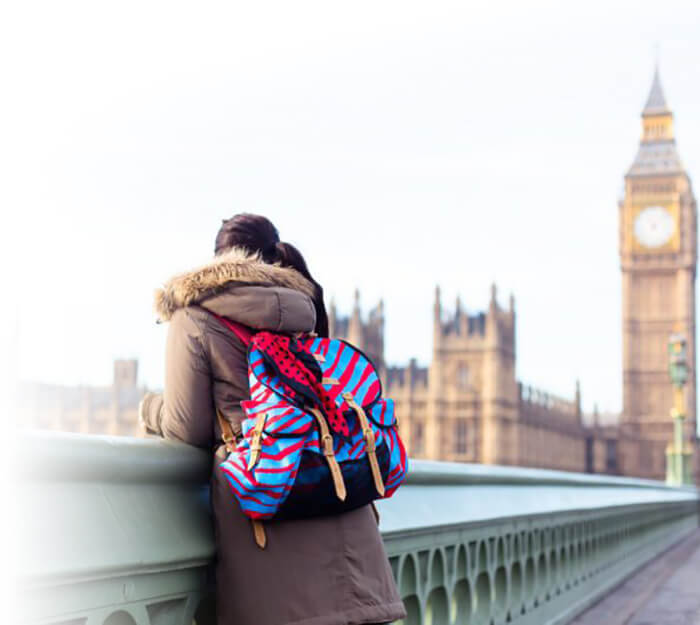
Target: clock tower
x,y
658,252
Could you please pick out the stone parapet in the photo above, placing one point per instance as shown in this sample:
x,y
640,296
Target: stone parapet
x,y
117,532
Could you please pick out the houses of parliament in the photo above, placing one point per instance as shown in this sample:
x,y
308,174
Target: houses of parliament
x,y
468,405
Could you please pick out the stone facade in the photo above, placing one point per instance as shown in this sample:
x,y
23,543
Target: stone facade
x,y
87,409
369,334
467,405
658,257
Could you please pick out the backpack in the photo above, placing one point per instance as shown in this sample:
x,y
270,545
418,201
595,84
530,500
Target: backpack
x,y
317,437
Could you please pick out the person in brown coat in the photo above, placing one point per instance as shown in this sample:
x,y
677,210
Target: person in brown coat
x,y
322,571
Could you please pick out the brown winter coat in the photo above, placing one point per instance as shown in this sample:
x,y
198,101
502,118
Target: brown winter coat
x,y
324,571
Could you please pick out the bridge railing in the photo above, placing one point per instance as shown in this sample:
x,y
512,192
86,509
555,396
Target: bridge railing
x,y
117,531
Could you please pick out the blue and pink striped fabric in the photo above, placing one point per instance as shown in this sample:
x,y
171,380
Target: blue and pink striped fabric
x,y
291,478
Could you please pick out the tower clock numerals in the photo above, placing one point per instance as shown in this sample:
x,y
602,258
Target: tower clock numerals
x,y
654,226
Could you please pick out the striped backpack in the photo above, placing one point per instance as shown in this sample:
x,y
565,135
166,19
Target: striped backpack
x,y
318,438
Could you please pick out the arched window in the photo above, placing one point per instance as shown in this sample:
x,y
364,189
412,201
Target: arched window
x,y
463,376
417,438
460,437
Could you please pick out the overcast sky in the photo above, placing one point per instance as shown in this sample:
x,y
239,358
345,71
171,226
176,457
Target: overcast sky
x,y
398,144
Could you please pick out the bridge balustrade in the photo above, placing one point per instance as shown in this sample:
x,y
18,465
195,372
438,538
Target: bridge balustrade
x,y
117,532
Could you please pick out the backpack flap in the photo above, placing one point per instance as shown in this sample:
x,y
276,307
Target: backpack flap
x,y
381,412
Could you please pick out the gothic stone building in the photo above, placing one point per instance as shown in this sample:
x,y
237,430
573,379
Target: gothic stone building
x,y
87,409
469,406
658,258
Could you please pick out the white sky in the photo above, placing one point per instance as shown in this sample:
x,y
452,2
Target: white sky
x,y
398,144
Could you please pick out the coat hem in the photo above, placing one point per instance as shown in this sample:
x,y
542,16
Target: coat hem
x,y
384,613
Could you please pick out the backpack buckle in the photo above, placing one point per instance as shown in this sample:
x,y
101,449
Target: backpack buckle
x,y
370,441
327,442
255,446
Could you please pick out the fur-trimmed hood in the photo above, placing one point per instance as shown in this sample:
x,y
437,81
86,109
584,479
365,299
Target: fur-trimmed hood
x,y
237,265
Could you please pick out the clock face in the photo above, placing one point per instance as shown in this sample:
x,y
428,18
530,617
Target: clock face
x,y
654,226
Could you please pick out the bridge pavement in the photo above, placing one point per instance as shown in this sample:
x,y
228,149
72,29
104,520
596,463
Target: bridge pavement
x,y
665,592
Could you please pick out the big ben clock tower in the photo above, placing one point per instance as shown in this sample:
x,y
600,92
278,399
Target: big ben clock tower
x,y
658,252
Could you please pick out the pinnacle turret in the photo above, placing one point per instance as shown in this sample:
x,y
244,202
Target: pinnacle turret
x,y
493,304
657,154
656,102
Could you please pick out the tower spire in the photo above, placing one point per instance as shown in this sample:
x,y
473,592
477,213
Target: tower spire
x,y
437,307
356,306
331,317
657,154
355,328
656,102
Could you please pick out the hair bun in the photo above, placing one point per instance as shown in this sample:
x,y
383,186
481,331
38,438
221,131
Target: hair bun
x,y
271,249
254,233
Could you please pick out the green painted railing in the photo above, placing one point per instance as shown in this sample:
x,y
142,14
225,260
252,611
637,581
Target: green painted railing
x,y
117,532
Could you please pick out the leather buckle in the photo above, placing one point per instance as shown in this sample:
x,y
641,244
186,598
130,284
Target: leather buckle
x,y
327,442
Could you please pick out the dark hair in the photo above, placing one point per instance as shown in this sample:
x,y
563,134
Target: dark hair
x,y
256,233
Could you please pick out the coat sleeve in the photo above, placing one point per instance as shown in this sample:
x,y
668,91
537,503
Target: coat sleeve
x,y
150,410
186,410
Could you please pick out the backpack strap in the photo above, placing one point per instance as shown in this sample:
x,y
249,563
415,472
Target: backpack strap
x,y
370,442
244,333
255,446
327,446
259,533
226,432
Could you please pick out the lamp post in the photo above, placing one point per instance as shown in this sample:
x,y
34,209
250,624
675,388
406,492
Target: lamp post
x,y
677,453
